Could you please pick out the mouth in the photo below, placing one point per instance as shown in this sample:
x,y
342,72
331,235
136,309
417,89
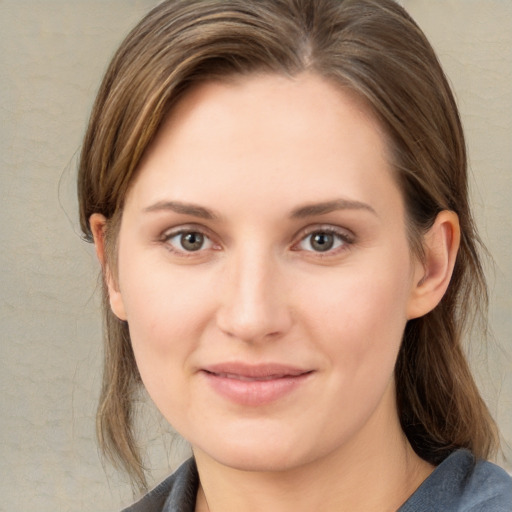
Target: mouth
x,y
255,385
247,378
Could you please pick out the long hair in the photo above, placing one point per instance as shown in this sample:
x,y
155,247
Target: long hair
x,y
371,47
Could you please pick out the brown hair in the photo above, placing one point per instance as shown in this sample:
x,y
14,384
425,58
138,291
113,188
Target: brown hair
x,y
370,46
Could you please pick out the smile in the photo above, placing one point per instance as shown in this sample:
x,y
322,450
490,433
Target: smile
x,y
254,385
249,379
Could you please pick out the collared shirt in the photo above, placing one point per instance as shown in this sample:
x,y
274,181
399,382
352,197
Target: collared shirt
x,y
459,484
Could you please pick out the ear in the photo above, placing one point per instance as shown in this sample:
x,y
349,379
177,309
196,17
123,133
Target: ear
x,y
98,225
433,274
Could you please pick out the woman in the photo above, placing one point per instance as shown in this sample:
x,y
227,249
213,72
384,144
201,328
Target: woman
x,y
277,193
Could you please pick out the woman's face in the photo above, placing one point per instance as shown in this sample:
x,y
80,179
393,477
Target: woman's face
x,y
265,273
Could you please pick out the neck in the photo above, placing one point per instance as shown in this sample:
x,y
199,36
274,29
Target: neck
x,y
375,472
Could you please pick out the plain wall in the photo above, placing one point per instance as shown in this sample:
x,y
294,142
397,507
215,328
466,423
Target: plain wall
x,y
52,56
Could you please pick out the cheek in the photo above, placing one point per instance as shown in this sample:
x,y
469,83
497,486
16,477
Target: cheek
x,y
166,313
165,326
162,300
358,300
362,315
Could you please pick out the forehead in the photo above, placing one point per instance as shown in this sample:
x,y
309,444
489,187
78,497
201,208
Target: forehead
x,y
255,98
260,133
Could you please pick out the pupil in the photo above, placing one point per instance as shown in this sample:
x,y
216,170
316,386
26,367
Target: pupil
x,y
192,241
322,242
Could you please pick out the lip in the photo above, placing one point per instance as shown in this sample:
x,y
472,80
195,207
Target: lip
x,y
254,385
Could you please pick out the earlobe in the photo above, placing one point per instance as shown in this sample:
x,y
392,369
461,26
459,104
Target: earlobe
x,y
433,274
98,225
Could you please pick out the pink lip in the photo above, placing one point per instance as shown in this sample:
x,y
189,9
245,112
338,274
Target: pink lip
x,y
254,384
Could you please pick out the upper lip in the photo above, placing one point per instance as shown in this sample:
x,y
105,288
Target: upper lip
x,y
255,371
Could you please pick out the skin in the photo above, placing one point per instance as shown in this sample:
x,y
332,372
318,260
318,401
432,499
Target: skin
x,y
252,156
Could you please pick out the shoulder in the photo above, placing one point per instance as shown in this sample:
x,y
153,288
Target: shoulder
x,y
177,493
463,484
488,488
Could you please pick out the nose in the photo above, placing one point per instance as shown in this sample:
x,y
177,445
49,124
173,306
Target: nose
x,y
253,301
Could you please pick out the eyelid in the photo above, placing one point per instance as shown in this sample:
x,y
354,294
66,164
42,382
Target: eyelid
x,y
347,236
170,233
344,234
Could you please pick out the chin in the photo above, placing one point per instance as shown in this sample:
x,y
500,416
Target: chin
x,y
258,454
264,461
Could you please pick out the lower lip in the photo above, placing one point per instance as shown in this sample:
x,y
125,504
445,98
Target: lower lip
x,y
255,392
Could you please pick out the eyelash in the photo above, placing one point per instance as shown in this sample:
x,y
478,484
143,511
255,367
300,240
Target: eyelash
x,y
191,230
342,241
341,237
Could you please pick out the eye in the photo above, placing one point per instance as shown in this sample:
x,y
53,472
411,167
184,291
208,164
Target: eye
x,y
188,241
323,240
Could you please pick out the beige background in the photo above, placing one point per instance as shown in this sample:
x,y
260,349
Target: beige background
x,y
52,55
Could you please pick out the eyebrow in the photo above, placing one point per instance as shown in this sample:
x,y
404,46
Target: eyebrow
x,y
184,208
311,210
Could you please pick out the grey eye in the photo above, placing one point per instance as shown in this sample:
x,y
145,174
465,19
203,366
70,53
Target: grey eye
x,y
191,241
188,241
321,242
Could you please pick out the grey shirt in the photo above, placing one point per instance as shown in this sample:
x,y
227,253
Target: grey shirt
x,y
459,484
